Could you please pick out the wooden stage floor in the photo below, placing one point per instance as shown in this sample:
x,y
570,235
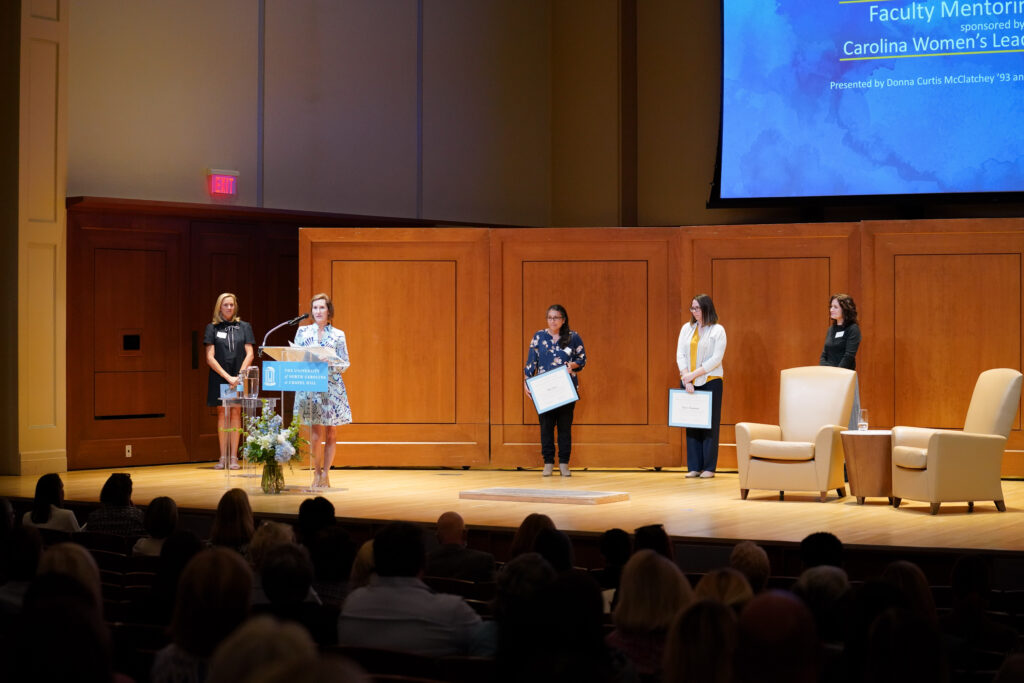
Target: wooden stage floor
x,y
689,508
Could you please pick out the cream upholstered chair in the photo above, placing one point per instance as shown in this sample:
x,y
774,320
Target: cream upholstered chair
x,y
804,451
941,465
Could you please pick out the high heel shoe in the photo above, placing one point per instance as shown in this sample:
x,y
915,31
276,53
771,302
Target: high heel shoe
x,y
220,463
234,464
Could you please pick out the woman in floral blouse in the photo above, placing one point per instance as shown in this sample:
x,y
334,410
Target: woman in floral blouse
x,y
550,349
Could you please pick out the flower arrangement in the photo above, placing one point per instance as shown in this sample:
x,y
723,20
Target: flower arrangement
x,y
268,443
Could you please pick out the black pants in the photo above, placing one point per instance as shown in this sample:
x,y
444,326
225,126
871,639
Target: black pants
x,y
562,418
702,444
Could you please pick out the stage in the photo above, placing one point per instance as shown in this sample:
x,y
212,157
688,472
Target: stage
x,y
689,508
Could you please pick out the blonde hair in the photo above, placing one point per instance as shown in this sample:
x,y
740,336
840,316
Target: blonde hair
x,y
268,535
258,643
72,559
362,566
727,586
652,592
217,317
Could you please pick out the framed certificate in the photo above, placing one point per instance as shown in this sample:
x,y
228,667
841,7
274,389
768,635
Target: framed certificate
x,y
552,389
689,410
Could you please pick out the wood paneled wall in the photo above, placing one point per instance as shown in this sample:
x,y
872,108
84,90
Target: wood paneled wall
x,y
438,322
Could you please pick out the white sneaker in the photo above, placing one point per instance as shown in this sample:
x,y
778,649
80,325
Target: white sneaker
x,y
548,467
707,475
692,473
564,469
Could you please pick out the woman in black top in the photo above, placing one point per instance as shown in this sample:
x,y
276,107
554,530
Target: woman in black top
x,y
229,343
841,343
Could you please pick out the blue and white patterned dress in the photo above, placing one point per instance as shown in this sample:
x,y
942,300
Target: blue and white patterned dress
x,y
331,407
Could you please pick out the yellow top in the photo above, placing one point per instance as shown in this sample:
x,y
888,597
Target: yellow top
x,y
693,352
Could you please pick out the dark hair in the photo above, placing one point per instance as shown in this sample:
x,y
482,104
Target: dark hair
x,y
213,599
563,331
399,550
161,517
327,299
708,315
653,537
849,308
287,574
233,523
48,492
821,547
315,514
616,547
526,534
117,491
555,547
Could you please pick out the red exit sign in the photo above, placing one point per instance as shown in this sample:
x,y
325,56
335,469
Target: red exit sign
x,y
222,184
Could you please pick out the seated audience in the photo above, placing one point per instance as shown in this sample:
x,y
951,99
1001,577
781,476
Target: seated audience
x,y
19,560
526,534
452,559
268,536
332,552
213,600
968,619
161,520
287,576
652,592
615,547
397,610
233,523
555,547
701,644
117,514
654,537
913,585
323,669
315,515
821,548
519,585
727,586
751,560
6,517
904,646
776,641
258,644
362,567
825,590
75,561
48,506
177,551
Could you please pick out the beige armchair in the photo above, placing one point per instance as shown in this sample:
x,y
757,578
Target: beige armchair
x,y
804,451
941,465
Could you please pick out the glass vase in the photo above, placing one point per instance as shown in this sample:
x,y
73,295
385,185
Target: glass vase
x,y
273,477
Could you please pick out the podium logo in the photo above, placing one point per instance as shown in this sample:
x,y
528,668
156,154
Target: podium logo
x,y
269,376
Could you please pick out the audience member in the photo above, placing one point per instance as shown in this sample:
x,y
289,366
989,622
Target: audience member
x,y
654,537
526,534
6,517
161,520
315,515
116,514
332,552
233,523
904,646
825,590
968,619
519,585
398,610
751,560
866,603
268,536
362,567
259,643
48,506
913,586
701,644
177,551
452,559
213,600
821,548
75,561
19,561
615,547
652,592
776,642
323,669
727,586
555,547
287,577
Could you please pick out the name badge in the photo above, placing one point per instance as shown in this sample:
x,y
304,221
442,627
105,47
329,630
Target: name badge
x,y
840,334
222,335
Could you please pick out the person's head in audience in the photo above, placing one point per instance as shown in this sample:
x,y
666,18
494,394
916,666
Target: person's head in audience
x,y
970,583
61,635
825,591
651,593
233,524
615,547
213,599
175,554
519,583
526,534
332,552
727,586
49,491
316,669
117,490
653,537
701,644
399,550
267,537
571,630
6,517
287,574
913,586
751,560
75,561
315,514
903,646
259,643
362,566
451,529
21,550
819,548
161,517
555,547
776,641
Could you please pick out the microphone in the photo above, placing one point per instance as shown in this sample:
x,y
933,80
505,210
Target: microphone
x,y
294,321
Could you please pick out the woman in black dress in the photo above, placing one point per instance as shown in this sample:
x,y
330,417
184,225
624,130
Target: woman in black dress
x,y
842,342
229,343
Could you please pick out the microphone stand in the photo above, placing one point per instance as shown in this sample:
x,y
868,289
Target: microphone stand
x,y
293,321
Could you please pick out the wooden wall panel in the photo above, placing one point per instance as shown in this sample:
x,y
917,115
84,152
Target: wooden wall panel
x,y
621,291
413,305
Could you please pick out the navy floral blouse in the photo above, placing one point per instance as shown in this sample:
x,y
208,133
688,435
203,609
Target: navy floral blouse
x,y
545,354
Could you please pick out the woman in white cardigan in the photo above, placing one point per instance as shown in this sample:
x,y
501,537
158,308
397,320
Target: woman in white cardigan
x,y
699,357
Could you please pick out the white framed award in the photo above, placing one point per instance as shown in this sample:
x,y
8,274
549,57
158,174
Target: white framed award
x,y
552,389
689,410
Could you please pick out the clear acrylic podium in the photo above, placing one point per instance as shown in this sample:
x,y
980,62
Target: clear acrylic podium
x,y
302,354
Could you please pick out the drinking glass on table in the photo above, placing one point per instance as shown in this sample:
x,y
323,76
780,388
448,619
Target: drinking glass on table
x,y
862,422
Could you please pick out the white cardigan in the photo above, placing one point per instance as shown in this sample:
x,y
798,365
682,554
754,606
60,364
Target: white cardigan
x,y
710,350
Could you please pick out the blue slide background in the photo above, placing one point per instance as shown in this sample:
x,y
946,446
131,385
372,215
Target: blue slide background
x,y
785,133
